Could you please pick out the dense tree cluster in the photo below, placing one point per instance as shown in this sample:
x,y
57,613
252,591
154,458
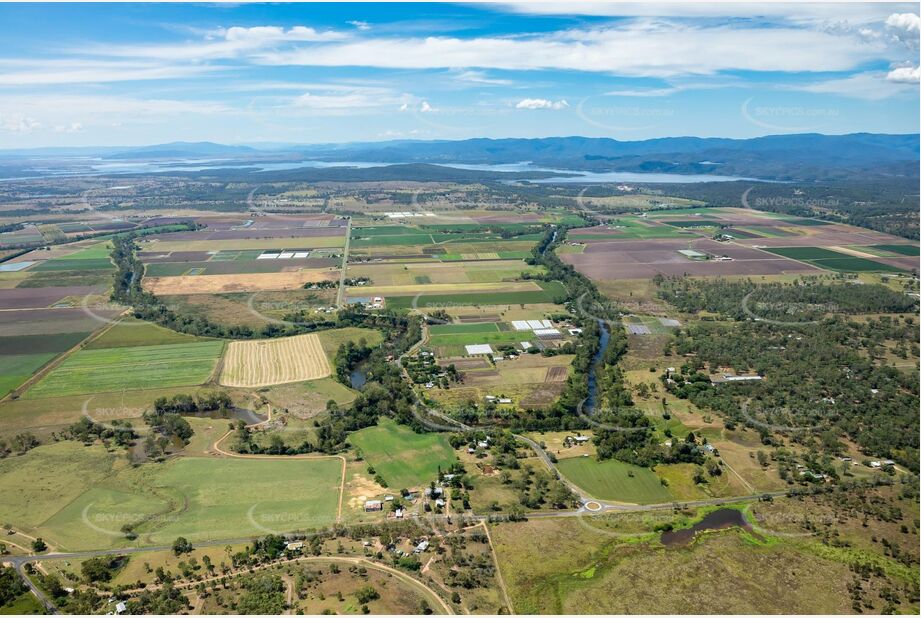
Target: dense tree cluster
x,y
820,381
804,300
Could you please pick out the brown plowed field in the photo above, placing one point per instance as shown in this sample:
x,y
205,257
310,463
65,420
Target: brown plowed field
x,y
216,284
643,259
252,364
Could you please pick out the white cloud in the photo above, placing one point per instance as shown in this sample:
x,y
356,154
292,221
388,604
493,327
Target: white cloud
x,y
645,48
18,123
361,25
648,92
479,77
41,73
905,75
355,99
223,43
73,127
796,12
425,107
904,21
541,104
870,86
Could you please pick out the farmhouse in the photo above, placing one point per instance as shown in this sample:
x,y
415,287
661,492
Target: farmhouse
x,y
421,547
294,545
374,505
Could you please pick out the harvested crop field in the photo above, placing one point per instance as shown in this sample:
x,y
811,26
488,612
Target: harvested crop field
x,y
216,284
833,260
641,259
39,298
274,361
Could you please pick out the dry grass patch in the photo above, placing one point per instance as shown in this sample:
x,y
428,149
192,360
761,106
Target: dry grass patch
x,y
216,284
274,361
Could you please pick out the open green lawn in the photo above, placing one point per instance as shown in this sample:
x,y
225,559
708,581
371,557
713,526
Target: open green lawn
x,y
16,369
457,329
615,480
130,332
79,497
832,260
908,250
100,250
462,339
24,604
550,291
403,457
116,369
332,340
22,355
228,498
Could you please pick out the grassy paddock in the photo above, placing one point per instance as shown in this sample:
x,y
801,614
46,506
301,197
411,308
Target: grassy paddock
x,y
615,480
404,458
116,369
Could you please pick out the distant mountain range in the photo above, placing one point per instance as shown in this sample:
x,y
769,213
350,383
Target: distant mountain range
x,y
805,157
777,157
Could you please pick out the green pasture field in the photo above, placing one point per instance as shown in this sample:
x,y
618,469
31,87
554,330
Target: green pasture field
x,y
126,368
462,339
387,230
693,224
78,497
832,260
804,222
47,478
230,498
502,255
332,340
456,329
131,332
615,480
551,291
402,457
907,250
65,278
17,368
23,605
630,229
97,251
740,233
65,263
23,355
658,213
469,227
766,231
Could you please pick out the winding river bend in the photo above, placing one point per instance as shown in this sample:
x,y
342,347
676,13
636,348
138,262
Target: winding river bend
x,y
589,405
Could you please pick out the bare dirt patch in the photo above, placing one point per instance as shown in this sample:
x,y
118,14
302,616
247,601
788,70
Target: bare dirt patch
x,y
215,284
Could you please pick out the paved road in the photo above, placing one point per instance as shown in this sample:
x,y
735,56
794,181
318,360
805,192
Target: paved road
x,y
340,294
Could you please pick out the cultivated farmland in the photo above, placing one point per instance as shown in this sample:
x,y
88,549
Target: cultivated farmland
x,y
615,480
402,457
274,361
116,369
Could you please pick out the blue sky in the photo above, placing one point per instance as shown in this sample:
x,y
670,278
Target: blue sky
x,y
115,74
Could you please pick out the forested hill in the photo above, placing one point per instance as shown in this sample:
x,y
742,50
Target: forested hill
x,y
776,157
